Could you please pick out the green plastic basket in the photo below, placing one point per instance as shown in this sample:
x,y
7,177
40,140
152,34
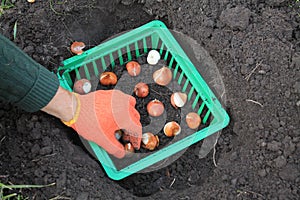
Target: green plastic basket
x,y
153,35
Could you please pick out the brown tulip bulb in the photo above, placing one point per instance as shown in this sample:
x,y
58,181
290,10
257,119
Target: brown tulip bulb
x,y
150,141
155,108
77,47
82,86
129,148
172,128
108,78
178,99
133,68
141,90
163,76
193,120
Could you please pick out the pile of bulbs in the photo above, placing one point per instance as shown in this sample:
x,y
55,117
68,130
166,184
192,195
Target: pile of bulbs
x,y
155,108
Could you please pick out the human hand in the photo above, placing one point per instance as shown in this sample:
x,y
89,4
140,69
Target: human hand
x,y
99,114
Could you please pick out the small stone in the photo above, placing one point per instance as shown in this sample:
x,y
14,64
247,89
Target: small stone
x,y
250,61
297,87
260,124
236,18
234,181
45,151
280,161
83,196
35,149
289,172
262,71
262,173
244,69
28,49
273,146
298,103
275,123
127,2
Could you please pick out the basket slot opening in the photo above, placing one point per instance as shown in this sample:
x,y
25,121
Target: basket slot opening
x,y
94,65
116,58
206,117
177,73
108,61
140,47
68,78
86,70
123,55
204,112
186,85
145,39
181,77
120,57
136,47
112,60
103,64
129,57
191,93
172,64
77,74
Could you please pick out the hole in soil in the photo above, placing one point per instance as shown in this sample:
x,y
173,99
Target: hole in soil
x,y
185,172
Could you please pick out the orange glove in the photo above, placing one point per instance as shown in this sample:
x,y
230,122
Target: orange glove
x,y
99,114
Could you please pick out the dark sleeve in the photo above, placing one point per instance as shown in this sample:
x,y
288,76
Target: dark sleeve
x,y
23,81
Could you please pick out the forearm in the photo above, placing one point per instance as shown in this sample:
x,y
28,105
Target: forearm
x,y
23,81
63,105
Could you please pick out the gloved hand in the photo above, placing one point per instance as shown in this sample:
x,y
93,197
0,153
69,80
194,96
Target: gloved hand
x,y
99,114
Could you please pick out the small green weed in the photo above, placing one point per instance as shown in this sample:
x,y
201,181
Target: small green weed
x,y
4,5
16,195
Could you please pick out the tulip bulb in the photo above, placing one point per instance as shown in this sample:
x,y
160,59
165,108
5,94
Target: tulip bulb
x,y
133,68
155,108
82,86
128,148
178,99
193,120
150,141
108,78
171,129
163,76
118,134
141,90
77,47
153,57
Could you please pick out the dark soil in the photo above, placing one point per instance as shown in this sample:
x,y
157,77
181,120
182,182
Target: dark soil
x,y
257,155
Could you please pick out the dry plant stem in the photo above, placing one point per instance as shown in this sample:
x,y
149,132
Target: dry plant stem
x,y
256,102
252,71
172,182
158,92
248,191
214,153
2,139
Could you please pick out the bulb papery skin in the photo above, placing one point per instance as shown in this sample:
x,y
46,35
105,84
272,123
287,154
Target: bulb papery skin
x,y
162,76
178,99
153,57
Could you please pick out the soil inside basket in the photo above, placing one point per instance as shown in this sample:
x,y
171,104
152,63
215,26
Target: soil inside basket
x,y
154,125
